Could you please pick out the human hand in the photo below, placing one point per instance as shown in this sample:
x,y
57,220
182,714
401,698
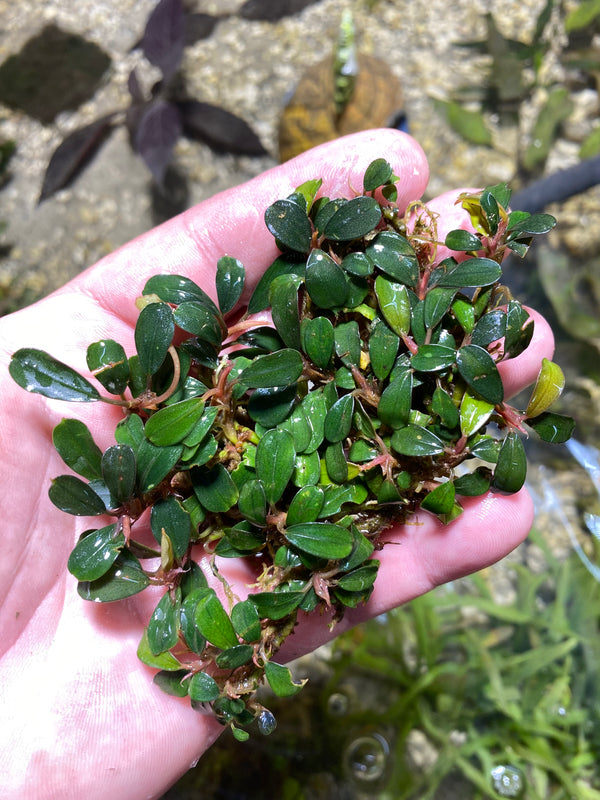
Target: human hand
x,y
81,717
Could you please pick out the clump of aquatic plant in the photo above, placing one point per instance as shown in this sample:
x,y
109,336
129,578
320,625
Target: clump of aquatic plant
x,y
294,438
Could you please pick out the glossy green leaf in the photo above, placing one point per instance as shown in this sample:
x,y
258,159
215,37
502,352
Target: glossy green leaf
x,y
326,281
532,224
323,539
395,401
187,619
358,580
235,657
298,425
324,210
553,428
178,289
394,255
511,468
315,410
307,469
272,406
36,371
486,448
202,688
433,358
308,190
77,448
443,405
119,471
519,329
338,496
491,327
283,265
335,464
317,340
462,240
283,297
276,605
153,336
164,661
347,343
275,460
124,579
195,318
437,303
440,500
548,387
154,464
464,313
394,304
73,496
288,223
163,627
362,549
214,623
170,516
95,553
280,680
252,502
245,620
173,683
353,220
414,440
305,506
473,484
474,413
171,424
471,273
274,369
357,264
478,369
244,538
378,173
229,282
383,348
338,420
215,488
130,431
108,361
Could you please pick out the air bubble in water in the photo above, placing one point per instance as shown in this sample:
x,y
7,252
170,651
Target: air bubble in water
x,y
508,781
366,757
266,722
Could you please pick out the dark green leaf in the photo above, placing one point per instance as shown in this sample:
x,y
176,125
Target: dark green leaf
x,y
274,369
163,629
283,296
119,471
36,371
323,539
317,340
307,469
229,282
197,319
474,413
437,303
201,351
326,281
203,688
462,240
433,358
288,223
280,680
491,327
414,440
490,208
339,419
395,401
284,265
511,468
275,460
124,579
394,255
244,538
272,406
130,431
519,329
73,496
276,605
347,343
440,500
361,551
95,553
533,224
213,622
178,289
235,657
252,502
245,620
394,303
171,425
169,515
473,484
214,488
306,505
173,683
77,448
478,369
298,425
378,173
551,427
353,220
153,336
108,361
315,411
165,661
383,348
325,209
464,313
336,463
357,264
154,464
336,496
360,579
443,405
187,619
471,273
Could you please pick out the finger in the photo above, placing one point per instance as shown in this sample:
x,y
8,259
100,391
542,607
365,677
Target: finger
x,y
231,223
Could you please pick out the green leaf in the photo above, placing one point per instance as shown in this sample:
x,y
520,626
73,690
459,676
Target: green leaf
x,y
154,464
347,343
163,628
473,484
443,405
178,289
288,223
276,605
108,361
280,680
489,206
36,371
326,281
273,369
307,469
519,329
394,304
73,496
130,431
533,224
235,657
124,579
246,621
317,336
305,505
171,424
165,661
173,683
378,173
394,255
187,618
270,407
77,448
335,463
119,471
322,539
283,296
203,688
470,124
252,502
478,369
472,273
491,327
95,553
358,580
229,282
511,468
214,623
433,358
440,500
315,411
339,419
275,460
308,190
464,313
170,516
462,241
414,440
283,265
195,318
153,336
553,428
437,303
215,488
474,413
383,348
358,265
395,401
548,387
353,220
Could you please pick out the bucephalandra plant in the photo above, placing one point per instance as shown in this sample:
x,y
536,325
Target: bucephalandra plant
x,y
359,386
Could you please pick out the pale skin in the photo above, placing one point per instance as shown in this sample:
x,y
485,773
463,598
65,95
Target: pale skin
x,y
80,714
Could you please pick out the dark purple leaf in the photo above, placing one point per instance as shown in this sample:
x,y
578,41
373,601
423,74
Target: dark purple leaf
x,y
199,26
164,38
272,11
219,128
72,154
157,132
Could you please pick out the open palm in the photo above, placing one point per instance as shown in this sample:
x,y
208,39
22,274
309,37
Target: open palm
x,y
81,717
